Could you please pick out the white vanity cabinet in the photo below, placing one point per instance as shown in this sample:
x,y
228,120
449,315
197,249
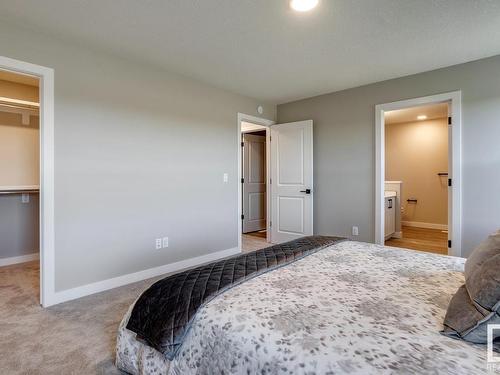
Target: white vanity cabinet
x,y
390,214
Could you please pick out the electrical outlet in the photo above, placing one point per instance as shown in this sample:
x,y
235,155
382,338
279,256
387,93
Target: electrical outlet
x,y
25,198
158,243
355,231
165,242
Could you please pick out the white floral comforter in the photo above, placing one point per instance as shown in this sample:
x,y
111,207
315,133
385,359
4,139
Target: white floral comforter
x,y
352,308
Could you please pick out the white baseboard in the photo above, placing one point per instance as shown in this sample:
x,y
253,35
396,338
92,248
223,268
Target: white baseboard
x,y
101,286
394,235
19,259
418,224
397,235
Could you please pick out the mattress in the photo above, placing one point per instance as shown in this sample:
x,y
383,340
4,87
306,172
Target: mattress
x,y
352,308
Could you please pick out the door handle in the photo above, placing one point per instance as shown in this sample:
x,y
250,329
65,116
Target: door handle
x,y
307,191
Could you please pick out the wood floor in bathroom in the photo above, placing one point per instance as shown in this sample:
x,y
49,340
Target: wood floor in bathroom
x,y
422,239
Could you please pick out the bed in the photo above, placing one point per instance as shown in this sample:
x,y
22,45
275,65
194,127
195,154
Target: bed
x,y
350,308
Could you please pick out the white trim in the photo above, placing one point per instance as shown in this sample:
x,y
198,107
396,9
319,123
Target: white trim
x,y
101,286
19,259
47,250
267,123
419,224
455,98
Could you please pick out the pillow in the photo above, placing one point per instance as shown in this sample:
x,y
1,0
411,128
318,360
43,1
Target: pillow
x,y
483,284
487,249
465,321
477,303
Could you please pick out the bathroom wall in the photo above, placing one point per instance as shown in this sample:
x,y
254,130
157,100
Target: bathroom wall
x,y
415,153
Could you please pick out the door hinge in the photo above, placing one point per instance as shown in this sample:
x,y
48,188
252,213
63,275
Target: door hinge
x,y
242,144
242,180
270,224
242,217
450,182
449,244
449,120
270,181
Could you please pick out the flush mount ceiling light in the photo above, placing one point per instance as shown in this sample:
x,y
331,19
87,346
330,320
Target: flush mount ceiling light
x,y
303,5
421,117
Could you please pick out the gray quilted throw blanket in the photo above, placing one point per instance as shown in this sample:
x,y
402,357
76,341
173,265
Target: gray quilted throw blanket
x,y
163,313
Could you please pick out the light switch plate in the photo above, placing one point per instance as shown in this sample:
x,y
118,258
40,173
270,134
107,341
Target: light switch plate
x,y
226,177
25,198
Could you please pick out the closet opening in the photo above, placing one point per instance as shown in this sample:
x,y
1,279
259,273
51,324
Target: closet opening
x,y
20,184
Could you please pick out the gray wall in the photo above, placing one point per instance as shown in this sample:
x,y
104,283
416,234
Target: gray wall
x,y
344,147
18,226
139,153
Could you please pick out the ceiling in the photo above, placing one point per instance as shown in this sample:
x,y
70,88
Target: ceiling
x,y
432,112
263,49
18,78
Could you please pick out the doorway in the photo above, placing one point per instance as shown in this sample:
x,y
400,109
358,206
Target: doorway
x,y
418,174
254,137
31,181
289,192
416,178
19,179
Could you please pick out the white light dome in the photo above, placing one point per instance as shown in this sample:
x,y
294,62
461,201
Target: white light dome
x,y
303,5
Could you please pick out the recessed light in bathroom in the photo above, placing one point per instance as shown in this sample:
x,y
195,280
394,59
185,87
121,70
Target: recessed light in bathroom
x,y
421,117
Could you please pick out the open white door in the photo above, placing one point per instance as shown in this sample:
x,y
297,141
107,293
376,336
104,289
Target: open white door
x,y
291,180
254,183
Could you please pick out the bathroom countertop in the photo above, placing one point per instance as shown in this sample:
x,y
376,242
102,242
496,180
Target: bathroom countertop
x,y
389,194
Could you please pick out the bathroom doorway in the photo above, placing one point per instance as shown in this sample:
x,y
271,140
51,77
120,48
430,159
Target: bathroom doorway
x,y
416,178
418,174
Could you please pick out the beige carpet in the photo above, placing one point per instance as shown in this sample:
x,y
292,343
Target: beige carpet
x,y
76,337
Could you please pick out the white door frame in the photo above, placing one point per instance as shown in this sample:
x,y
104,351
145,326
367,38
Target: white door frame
x,y
267,123
47,256
455,98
